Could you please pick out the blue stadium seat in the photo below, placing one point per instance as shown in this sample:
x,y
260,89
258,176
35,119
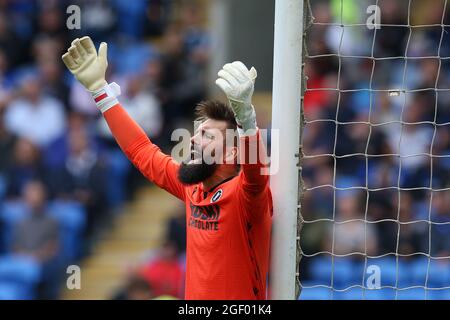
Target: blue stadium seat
x,y
318,293
11,291
347,273
409,273
118,168
379,294
411,294
418,269
71,216
438,274
21,272
354,293
406,273
443,294
343,271
320,271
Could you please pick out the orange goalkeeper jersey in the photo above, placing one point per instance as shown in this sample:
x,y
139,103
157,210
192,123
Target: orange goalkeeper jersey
x,y
228,227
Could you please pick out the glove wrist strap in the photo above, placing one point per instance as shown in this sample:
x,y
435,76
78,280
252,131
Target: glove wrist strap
x,y
105,98
245,116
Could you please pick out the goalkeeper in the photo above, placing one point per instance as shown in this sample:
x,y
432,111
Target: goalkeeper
x,y
228,206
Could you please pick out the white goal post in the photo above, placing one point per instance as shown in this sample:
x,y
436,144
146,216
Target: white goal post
x,y
287,79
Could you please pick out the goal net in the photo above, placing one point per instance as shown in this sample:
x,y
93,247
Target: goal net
x,y
375,150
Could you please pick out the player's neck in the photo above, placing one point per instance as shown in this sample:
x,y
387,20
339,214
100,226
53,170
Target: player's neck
x,y
222,173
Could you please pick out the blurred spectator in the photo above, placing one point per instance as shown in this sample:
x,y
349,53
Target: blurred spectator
x,y
183,80
46,48
25,166
412,139
99,19
141,105
35,116
440,231
50,69
385,111
52,85
10,43
80,100
136,288
412,237
441,146
176,231
7,141
38,236
151,77
164,272
319,76
51,21
196,39
56,153
129,56
158,14
391,40
322,198
5,81
351,234
81,177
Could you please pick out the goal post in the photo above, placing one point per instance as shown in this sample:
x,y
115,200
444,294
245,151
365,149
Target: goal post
x,y
286,101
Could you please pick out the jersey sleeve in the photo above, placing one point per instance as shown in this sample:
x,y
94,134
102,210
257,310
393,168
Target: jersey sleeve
x,y
253,186
156,166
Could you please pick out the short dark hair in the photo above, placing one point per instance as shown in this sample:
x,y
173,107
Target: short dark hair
x,y
215,110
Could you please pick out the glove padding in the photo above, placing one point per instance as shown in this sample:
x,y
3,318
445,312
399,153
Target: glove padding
x,y
83,62
237,82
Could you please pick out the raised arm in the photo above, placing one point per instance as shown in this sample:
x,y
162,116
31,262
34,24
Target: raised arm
x,y
237,82
89,69
254,174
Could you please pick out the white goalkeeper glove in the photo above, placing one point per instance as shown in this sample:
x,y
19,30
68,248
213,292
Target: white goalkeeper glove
x,y
237,82
89,69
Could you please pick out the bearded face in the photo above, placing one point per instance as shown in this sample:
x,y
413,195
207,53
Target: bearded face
x,y
207,153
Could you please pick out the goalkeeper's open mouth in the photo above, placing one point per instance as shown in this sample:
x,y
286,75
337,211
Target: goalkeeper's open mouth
x,y
196,157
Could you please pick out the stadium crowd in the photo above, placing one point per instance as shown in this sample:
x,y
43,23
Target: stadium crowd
x,y
384,141
62,176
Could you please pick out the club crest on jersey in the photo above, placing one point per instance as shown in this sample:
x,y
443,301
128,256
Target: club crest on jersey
x,y
217,195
